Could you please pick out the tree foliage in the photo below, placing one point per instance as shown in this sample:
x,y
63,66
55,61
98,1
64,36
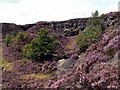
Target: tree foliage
x,y
92,32
40,46
13,39
9,39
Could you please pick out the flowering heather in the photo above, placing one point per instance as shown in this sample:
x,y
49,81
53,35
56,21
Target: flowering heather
x,y
104,75
96,69
107,36
113,44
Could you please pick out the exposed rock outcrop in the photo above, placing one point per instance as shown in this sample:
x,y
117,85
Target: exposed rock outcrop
x,y
74,25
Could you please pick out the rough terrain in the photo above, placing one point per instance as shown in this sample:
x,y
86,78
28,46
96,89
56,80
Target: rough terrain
x,y
95,69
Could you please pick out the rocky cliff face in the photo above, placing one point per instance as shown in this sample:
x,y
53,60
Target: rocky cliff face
x,y
69,27
61,27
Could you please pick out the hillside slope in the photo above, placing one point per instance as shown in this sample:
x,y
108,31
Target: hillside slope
x,y
96,69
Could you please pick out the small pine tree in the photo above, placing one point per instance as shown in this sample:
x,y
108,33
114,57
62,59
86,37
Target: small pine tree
x,y
92,32
40,46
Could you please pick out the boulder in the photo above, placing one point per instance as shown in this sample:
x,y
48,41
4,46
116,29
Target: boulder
x,y
65,65
69,32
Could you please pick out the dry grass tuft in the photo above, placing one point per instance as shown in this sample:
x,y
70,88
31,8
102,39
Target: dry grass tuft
x,y
35,76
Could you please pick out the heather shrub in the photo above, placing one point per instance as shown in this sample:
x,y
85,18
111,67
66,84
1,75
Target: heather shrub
x,y
16,42
24,61
21,37
104,75
40,46
9,39
49,67
107,36
112,46
92,32
14,39
111,28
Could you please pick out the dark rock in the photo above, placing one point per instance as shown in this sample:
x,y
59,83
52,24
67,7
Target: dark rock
x,y
8,28
68,32
27,26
